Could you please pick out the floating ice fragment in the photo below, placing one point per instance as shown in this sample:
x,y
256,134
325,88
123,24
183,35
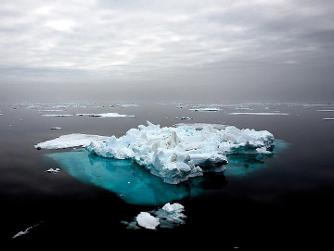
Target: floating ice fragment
x,y
325,110
55,128
146,220
328,118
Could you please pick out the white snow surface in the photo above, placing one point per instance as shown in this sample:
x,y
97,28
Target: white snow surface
x,y
178,153
146,220
70,140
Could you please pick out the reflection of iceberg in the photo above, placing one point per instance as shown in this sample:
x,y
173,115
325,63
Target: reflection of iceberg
x,y
243,162
129,181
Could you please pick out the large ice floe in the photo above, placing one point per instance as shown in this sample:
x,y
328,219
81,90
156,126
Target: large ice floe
x,y
173,153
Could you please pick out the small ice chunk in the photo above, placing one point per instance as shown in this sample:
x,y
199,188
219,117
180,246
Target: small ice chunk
x,y
328,118
325,110
70,140
51,170
104,115
146,220
55,128
260,113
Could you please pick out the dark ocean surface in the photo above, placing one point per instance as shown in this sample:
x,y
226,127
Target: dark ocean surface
x,y
283,201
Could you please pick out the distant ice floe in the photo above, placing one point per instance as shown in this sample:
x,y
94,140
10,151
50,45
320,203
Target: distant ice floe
x,y
104,115
169,216
1,114
128,105
243,108
327,110
56,128
260,113
206,109
24,232
57,115
328,118
51,110
70,140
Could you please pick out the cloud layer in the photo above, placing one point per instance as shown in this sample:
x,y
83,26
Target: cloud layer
x,y
153,39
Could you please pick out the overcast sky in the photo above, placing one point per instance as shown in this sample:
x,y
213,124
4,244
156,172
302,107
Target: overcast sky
x,y
223,50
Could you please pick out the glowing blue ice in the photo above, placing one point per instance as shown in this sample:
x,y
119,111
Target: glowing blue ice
x,y
129,181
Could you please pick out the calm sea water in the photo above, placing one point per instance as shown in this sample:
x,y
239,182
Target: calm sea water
x,y
285,202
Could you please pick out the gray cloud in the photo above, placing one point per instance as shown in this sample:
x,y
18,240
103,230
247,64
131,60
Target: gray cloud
x,y
176,43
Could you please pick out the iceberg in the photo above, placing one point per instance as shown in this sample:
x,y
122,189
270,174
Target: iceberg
x,y
178,153
328,118
70,141
104,115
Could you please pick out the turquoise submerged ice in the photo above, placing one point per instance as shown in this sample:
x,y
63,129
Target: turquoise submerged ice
x,y
125,178
176,154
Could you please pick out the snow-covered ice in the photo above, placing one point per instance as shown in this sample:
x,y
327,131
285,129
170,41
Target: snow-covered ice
x,y
146,220
260,113
70,140
104,115
178,153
